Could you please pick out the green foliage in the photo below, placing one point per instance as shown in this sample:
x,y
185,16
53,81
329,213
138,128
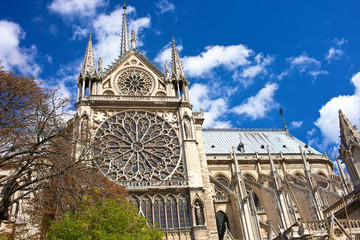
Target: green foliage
x,y
105,220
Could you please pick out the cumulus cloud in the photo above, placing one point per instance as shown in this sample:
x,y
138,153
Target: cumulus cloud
x,y
334,54
107,32
165,54
328,122
214,108
165,6
259,105
229,57
75,7
296,124
15,56
248,73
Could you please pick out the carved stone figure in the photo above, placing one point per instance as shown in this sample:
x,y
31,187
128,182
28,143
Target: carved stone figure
x,y
187,127
198,214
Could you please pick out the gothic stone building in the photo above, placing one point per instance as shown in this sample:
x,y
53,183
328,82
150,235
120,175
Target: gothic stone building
x,y
200,183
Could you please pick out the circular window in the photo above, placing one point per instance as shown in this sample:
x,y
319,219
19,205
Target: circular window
x,y
134,81
138,146
337,232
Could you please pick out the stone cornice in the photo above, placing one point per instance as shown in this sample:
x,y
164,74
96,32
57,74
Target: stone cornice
x,y
214,159
118,101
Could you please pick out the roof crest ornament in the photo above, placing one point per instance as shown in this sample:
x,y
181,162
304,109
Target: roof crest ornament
x,y
282,115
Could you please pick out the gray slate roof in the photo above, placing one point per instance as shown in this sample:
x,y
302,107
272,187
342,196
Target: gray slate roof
x,y
221,141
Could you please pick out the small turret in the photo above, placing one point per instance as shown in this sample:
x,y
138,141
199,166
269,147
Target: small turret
x,y
88,72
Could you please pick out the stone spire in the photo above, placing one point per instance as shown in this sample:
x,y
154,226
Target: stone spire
x,y
88,68
177,72
348,132
124,45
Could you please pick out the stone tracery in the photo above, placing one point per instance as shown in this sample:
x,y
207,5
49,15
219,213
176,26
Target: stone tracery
x,y
138,146
134,81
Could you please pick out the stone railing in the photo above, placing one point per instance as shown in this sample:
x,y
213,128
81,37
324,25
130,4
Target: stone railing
x,y
182,233
339,205
320,226
155,184
132,98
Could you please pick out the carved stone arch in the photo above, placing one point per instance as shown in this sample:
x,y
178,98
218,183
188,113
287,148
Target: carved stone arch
x,y
322,183
250,176
160,94
135,200
108,92
300,175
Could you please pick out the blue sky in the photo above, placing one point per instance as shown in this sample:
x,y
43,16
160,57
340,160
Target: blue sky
x,y
244,59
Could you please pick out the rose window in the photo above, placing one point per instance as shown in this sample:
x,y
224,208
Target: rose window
x,y
134,82
138,146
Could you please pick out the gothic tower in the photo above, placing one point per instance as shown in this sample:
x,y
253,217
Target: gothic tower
x,y
350,148
148,138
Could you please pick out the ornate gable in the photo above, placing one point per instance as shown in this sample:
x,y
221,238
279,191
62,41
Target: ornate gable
x,y
133,75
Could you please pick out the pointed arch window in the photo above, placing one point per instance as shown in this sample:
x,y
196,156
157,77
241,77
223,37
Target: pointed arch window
x,y
159,212
184,211
171,213
222,222
146,207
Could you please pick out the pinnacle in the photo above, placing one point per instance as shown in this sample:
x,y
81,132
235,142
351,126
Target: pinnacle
x,y
177,72
348,132
88,67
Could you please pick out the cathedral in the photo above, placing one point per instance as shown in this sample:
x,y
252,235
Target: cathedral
x,y
197,183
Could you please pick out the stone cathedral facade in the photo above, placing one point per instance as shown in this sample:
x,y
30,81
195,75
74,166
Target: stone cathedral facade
x,y
200,183
197,183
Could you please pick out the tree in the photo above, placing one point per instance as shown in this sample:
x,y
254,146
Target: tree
x,y
105,220
62,194
35,143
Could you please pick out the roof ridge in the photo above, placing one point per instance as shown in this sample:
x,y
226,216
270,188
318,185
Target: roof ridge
x,y
246,129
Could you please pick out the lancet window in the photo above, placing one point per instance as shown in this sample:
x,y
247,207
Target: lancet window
x,y
165,211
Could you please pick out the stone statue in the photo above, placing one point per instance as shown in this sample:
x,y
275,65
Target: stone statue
x,y
187,128
166,69
100,64
198,214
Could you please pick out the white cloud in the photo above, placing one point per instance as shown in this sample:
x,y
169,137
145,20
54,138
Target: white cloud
x,y
334,54
296,124
79,32
14,56
165,54
317,73
248,73
229,57
328,122
165,6
259,105
213,108
108,33
75,7
304,64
